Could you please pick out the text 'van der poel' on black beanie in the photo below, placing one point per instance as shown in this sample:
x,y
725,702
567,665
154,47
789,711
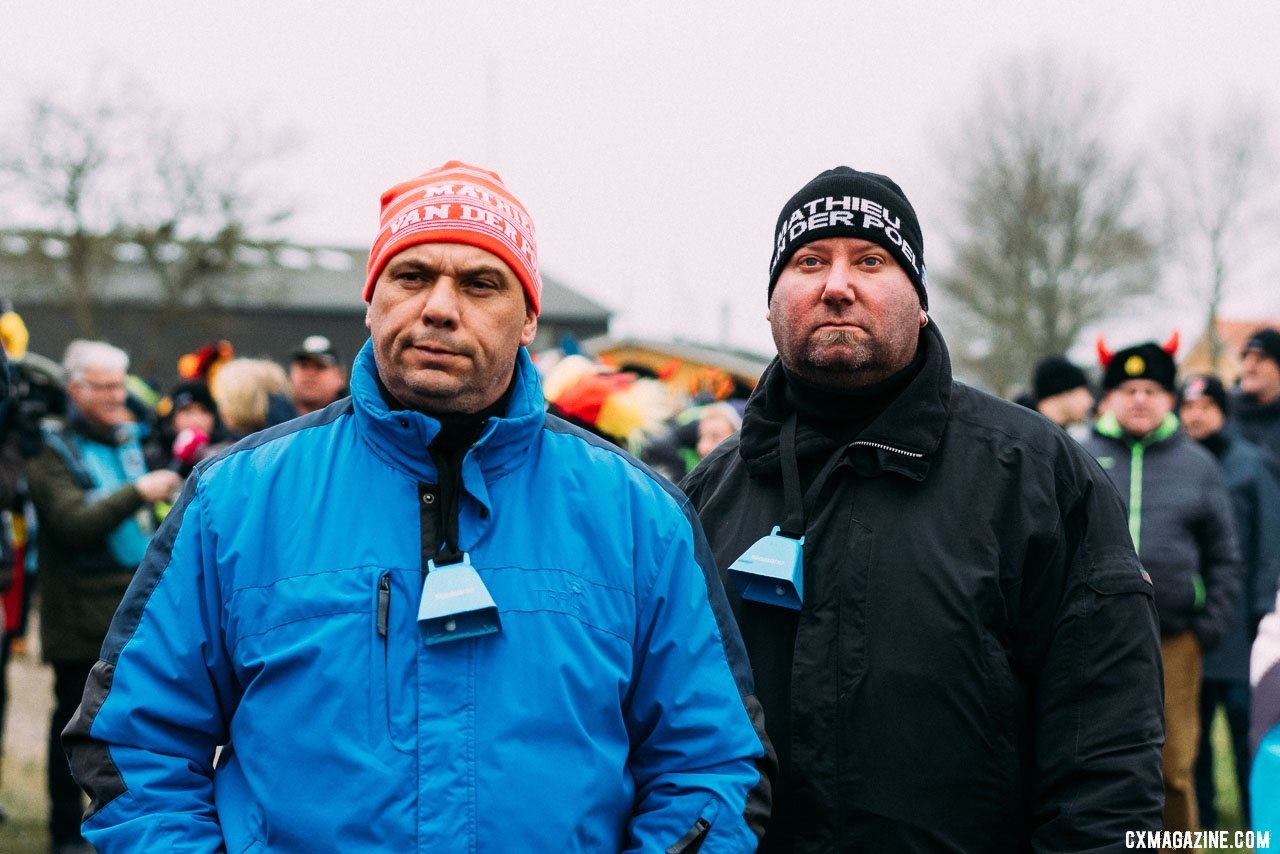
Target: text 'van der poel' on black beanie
x,y
843,202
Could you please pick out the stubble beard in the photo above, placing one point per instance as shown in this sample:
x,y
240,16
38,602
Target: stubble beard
x,y
845,357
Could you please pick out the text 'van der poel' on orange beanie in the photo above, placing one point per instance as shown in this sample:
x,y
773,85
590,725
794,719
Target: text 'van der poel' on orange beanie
x,y
458,203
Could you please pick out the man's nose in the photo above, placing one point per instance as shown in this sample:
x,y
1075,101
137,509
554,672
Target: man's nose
x,y
440,307
839,285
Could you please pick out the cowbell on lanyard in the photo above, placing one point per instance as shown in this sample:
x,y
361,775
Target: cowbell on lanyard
x,y
455,603
772,570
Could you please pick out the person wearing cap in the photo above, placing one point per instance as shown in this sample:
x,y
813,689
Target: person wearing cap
x,y
1255,403
1182,527
316,375
431,617
1062,393
971,662
1254,488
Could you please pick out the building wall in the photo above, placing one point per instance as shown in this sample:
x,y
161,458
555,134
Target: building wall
x,y
155,341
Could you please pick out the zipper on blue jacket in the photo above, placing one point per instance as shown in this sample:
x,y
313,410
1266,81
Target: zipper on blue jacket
x,y
384,604
692,841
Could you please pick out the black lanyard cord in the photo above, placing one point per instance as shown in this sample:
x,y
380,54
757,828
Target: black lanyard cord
x,y
449,467
799,505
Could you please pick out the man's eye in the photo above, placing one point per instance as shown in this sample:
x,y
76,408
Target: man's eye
x,y
808,261
483,284
873,261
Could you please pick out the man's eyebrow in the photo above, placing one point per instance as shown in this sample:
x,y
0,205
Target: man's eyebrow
x,y
410,265
482,267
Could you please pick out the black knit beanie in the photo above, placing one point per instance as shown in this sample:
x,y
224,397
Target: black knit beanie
x,y
1265,340
1203,385
1056,374
843,202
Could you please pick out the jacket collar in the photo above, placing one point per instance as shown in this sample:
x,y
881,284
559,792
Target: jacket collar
x,y
1107,425
1249,407
902,440
111,436
401,437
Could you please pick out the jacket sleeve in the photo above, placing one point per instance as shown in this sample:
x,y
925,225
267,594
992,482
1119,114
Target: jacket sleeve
x,y
1090,630
1264,679
157,703
64,506
1219,563
699,754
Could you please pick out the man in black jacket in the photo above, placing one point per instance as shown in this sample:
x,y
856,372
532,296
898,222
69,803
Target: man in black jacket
x,y
974,662
1180,520
1254,487
1255,406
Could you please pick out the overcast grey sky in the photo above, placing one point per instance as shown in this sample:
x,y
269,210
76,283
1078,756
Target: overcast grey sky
x,y
653,143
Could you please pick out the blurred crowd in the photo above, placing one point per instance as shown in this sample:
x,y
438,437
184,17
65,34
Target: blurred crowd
x,y
1198,463
93,458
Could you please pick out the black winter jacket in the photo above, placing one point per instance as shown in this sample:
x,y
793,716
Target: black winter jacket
x,y
1181,522
1257,422
1254,486
976,665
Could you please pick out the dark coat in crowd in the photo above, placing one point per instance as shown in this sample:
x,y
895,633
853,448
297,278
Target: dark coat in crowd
x,y
1181,522
1257,422
1254,485
81,583
976,664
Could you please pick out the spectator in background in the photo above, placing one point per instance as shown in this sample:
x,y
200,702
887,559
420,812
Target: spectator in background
x,y
1062,394
1252,482
1181,523
316,375
12,470
188,411
1255,405
93,496
247,391
719,421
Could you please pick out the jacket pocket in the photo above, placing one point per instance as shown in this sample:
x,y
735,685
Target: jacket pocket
x,y
1113,578
392,665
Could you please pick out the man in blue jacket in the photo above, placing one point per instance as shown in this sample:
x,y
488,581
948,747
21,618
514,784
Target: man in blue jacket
x,y
429,616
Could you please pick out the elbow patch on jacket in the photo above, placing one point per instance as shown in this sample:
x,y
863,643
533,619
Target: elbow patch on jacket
x,y
91,762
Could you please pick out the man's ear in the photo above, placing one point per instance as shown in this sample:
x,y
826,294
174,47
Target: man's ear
x,y
530,329
368,324
924,318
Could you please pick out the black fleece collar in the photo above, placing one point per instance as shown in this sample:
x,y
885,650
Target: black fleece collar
x,y
901,440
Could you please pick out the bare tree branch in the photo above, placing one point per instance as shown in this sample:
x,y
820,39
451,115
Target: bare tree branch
x,y
1048,240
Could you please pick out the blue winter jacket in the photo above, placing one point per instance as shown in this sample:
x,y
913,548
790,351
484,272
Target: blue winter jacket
x,y
276,615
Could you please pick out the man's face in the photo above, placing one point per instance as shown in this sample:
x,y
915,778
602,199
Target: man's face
x,y
713,428
316,384
1140,405
1259,376
99,395
1201,418
844,314
447,320
1077,404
